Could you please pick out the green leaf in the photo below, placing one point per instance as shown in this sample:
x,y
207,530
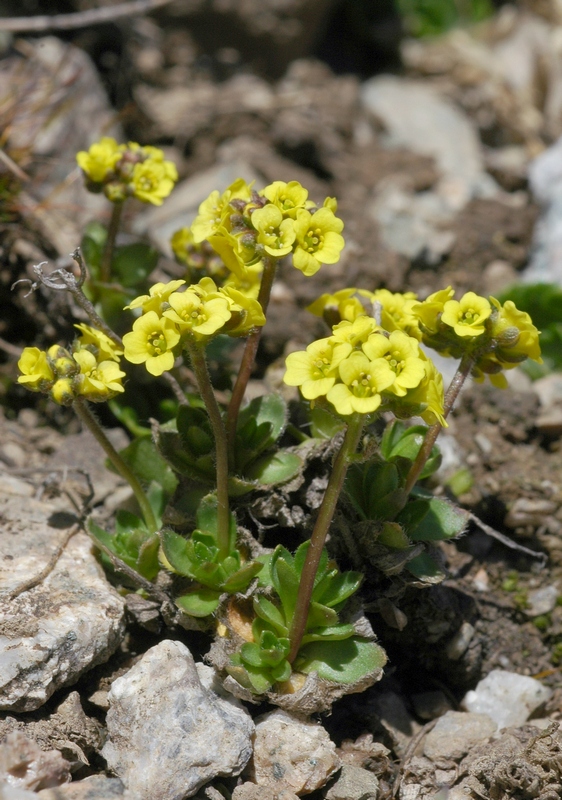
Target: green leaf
x,y
282,672
398,441
339,588
177,552
133,263
148,465
324,425
347,661
320,616
392,535
128,417
250,652
207,520
240,580
269,414
275,468
171,448
299,559
269,612
147,563
331,633
199,603
426,569
442,521
285,580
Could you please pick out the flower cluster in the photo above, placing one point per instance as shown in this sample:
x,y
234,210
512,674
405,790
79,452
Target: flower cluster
x,y
125,170
362,367
170,318
498,337
89,369
244,226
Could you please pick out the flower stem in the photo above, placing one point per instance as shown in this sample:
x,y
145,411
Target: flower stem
x,y
248,360
107,257
321,527
462,373
122,468
200,369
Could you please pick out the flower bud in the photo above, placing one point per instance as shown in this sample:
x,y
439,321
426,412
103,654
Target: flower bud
x,y
62,392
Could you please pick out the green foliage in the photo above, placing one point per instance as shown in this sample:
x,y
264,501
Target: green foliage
x,y
328,646
199,558
188,446
433,17
131,541
543,302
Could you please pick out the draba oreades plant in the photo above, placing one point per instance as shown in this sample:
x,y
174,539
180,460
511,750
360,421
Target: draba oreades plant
x,y
284,615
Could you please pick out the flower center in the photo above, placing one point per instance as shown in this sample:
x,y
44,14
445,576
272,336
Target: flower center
x,y
395,362
362,386
157,343
313,240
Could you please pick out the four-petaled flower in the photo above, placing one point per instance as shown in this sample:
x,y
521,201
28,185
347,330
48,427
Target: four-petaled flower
x,y
287,197
467,315
157,296
315,369
153,180
152,342
99,161
98,381
401,354
319,240
363,382
36,372
275,233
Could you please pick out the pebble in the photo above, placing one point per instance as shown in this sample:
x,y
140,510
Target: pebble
x,y
293,753
545,177
354,783
549,390
542,601
25,766
458,645
251,791
96,787
69,622
507,698
183,735
455,733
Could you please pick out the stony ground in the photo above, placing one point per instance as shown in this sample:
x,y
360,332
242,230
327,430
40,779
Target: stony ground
x,y
446,172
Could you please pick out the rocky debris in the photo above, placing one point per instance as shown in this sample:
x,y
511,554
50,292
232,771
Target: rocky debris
x,y
455,733
542,601
354,783
506,697
68,730
416,117
161,716
25,766
250,791
96,787
545,177
70,621
293,753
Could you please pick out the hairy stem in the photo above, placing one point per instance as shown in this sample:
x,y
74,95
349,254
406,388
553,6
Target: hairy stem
x,y
107,257
248,359
462,373
200,369
321,527
122,468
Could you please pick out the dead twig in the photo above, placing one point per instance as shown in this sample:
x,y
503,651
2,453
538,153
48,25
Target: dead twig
x,y
500,537
79,19
410,750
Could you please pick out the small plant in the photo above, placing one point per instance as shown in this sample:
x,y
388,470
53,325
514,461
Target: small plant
x,y
198,467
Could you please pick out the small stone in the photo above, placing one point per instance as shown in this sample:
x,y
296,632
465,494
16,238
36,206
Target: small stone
x,y
293,753
529,511
96,787
458,645
455,733
550,422
549,390
354,783
251,791
541,601
162,718
481,580
25,766
430,705
70,621
507,698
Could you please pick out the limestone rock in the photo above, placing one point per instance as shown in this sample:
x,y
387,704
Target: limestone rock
x,y
163,718
292,752
70,621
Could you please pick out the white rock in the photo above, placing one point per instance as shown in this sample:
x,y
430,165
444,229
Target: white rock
x,y
293,753
71,621
96,787
25,766
180,734
417,118
542,601
354,783
506,697
455,734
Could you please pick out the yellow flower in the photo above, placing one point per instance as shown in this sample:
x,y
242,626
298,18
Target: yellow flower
x,y
363,381
158,295
429,311
197,316
318,240
153,180
98,381
315,369
425,400
516,336
396,310
356,332
287,197
248,283
100,160
63,391
468,315
275,233
97,342
152,341
331,203
36,373
216,209
337,307
246,312
402,355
